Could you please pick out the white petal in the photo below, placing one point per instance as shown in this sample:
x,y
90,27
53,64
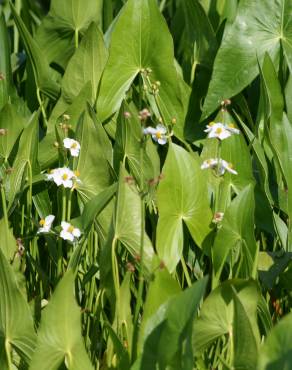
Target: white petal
x,y
74,152
65,225
43,229
76,232
162,140
49,219
224,134
149,130
231,170
162,129
154,137
68,142
58,181
66,235
209,163
68,183
221,170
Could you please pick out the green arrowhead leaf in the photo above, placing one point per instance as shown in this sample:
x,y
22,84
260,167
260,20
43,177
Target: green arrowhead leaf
x,y
59,336
259,26
40,65
236,235
142,31
182,198
217,316
60,29
87,64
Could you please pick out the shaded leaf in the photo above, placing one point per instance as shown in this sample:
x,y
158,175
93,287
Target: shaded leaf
x,y
16,322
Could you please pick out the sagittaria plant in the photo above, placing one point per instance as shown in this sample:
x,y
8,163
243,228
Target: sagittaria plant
x,y
145,184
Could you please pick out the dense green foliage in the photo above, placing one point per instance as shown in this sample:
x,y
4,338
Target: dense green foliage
x,y
145,184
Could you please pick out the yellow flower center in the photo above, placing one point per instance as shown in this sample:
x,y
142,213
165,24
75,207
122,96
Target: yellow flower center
x,y
42,222
74,146
218,130
64,176
70,229
158,135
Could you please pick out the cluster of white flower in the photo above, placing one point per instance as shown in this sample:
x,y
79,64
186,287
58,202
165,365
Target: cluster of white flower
x,y
68,232
220,131
63,175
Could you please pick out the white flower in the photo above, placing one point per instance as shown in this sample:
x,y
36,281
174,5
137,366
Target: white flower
x,y
217,130
69,232
231,127
72,145
149,130
226,166
222,166
158,134
62,176
46,224
209,163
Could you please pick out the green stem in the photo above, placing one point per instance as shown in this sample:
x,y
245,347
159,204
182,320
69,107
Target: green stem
x,y
41,103
139,301
29,195
69,206
64,201
115,272
15,31
22,219
4,207
217,195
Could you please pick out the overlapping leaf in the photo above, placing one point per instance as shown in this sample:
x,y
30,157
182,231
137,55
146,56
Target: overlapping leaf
x,y
142,32
259,26
219,316
59,32
43,74
236,237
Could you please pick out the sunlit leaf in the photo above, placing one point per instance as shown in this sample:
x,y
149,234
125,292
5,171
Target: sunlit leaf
x,y
258,27
142,31
182,198
59,337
